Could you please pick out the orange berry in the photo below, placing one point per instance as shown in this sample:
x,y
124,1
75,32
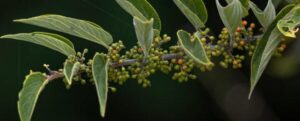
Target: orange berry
x,y
235,62
252,25
140,50
180,61
239,29
242,42
283,46
244,23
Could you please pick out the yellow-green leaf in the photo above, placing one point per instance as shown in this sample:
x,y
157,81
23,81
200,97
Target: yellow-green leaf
x,y
52,41
76,27
193,47
100,75
289,25
265,48
70,70
144,32
194,10
141,9
265,17
28,96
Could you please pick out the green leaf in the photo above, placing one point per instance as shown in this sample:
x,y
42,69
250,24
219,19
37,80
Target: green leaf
x,y
28,96
141,9
288,26
100,74
76,27
70,70
145,33
231,15
265,17
52,41
194,10
245,4
293,1
265,48
193,47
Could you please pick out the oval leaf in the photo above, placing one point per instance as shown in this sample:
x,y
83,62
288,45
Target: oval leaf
x,y
59,37
194,48
144,32
28,96
288,26
76,27
231,15
141,9
52,41
70,70
100,75
194,10
265,17
265,49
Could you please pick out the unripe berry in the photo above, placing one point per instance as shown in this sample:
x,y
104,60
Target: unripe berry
x,y
212,38
184,67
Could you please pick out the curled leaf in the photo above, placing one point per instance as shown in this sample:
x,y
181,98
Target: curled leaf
x,y
245,4
194,10
145,33
193,47
28,96
265,17
265,48
289,25
231,15
141,9
100,75
70,70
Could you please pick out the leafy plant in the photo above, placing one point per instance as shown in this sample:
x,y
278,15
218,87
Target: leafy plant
x,y
192,51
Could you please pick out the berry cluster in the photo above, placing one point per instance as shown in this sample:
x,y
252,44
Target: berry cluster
x,y
134,64
84,69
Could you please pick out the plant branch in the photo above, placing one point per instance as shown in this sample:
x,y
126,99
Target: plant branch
x,y
57,74
132,61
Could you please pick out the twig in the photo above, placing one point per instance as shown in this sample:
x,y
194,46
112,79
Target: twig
x,y
56,74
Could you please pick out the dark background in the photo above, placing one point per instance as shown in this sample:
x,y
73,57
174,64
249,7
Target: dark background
x,y
220,95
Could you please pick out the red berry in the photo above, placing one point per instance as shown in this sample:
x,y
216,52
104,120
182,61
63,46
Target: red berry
x,y
239,29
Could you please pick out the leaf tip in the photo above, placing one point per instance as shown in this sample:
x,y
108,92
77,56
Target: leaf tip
x,y
19,20
102,113
250,93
